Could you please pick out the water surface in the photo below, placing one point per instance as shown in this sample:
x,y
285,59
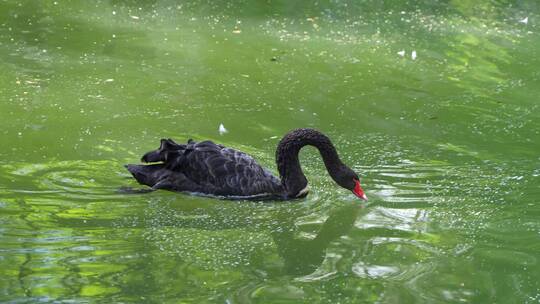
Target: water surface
x,y
447,145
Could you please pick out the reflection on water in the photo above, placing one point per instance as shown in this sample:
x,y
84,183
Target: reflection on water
x,y
445,143
68,220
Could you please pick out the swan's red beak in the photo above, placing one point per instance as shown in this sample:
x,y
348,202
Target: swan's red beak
x,y
358,191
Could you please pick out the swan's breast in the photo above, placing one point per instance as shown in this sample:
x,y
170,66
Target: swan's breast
x,y
303,192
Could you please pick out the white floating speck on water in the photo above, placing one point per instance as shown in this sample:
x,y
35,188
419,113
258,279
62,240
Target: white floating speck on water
x,y
135,17
413,55
524,20
108,80
401,53
222,129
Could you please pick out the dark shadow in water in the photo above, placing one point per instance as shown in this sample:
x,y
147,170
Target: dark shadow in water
x,y
304,256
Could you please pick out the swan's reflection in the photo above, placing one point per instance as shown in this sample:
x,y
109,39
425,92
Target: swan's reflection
x,y
238,236
304,256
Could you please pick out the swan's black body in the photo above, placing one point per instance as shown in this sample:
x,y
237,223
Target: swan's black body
x,y
212,169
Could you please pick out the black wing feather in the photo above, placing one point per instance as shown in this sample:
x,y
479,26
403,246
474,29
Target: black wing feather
x,y
208,168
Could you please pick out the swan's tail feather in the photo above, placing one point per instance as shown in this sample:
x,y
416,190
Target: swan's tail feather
x,y
167,150
152,156
146,174
169,154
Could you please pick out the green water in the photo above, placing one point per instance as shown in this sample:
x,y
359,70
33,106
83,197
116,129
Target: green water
x,y
447,145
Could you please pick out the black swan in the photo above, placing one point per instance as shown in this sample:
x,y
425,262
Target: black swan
x,y
211,169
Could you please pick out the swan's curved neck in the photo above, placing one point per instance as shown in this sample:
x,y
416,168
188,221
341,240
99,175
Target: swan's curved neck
x,y
292,177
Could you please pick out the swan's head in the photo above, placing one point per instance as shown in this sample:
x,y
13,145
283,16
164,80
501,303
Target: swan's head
x,y
348,179
358,191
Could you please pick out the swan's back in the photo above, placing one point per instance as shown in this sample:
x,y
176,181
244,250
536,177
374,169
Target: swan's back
x,y
207,168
